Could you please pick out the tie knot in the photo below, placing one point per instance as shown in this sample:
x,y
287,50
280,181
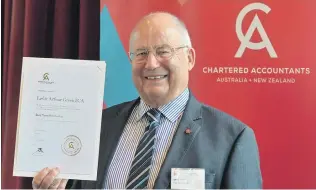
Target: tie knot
x,y
153,115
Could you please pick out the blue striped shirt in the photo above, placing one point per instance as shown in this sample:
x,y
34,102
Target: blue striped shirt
x,y
135,127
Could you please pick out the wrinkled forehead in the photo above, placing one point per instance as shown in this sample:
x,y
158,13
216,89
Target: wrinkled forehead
x,y
152,34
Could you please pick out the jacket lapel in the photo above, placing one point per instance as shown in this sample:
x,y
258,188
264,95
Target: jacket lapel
x,y
112,128
181,142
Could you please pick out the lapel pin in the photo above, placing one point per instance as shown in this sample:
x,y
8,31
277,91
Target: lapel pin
x,y
188,131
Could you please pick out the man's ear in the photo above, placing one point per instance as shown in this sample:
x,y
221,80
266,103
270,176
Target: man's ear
x,y
129,57
191,58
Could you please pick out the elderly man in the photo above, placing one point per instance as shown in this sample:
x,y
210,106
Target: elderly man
x,y
166,127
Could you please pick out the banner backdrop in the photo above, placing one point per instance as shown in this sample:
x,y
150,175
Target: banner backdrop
x,y
256,60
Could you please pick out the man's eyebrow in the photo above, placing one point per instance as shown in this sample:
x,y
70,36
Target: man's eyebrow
x,y
163,45
160,45
141,48
155,46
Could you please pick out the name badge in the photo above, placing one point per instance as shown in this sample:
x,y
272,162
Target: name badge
x,y
187,178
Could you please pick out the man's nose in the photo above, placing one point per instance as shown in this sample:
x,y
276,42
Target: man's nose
x,y
151,62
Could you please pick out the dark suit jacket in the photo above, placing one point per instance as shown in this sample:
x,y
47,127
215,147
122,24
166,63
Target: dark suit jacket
x,y
219,143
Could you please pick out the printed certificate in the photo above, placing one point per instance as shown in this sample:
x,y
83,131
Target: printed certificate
x,y
59,119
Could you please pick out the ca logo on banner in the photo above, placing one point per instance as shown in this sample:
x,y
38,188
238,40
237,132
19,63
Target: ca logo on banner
x,y
255,24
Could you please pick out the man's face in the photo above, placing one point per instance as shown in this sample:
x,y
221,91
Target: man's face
x,y
160,61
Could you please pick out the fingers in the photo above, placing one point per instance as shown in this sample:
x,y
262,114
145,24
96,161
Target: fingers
x,y
55,184
37,180
62,184
49,178
46,179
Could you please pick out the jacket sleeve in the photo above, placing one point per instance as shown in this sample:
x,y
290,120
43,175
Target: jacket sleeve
x,y
242,169
74,184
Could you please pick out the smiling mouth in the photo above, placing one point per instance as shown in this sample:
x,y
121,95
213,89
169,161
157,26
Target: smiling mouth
x,y
156,77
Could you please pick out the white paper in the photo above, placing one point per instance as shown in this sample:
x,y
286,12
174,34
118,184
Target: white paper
x,y
187,178
59,119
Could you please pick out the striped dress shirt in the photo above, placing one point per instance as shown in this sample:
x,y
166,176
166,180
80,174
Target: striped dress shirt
x,y
123,157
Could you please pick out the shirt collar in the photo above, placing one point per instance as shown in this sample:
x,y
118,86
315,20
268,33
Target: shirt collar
x,y
171,111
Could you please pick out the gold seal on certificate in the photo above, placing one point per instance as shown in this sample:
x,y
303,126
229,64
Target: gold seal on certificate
x,y
71,146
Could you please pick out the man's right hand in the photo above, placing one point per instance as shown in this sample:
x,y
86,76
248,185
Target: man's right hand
x,y
46,179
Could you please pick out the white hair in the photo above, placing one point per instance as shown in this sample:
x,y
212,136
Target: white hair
x,y
183,28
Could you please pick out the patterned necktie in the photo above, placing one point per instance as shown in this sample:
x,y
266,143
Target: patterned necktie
x,y
139,172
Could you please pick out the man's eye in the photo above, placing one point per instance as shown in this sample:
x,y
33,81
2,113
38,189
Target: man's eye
x,y
144,53
162,52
